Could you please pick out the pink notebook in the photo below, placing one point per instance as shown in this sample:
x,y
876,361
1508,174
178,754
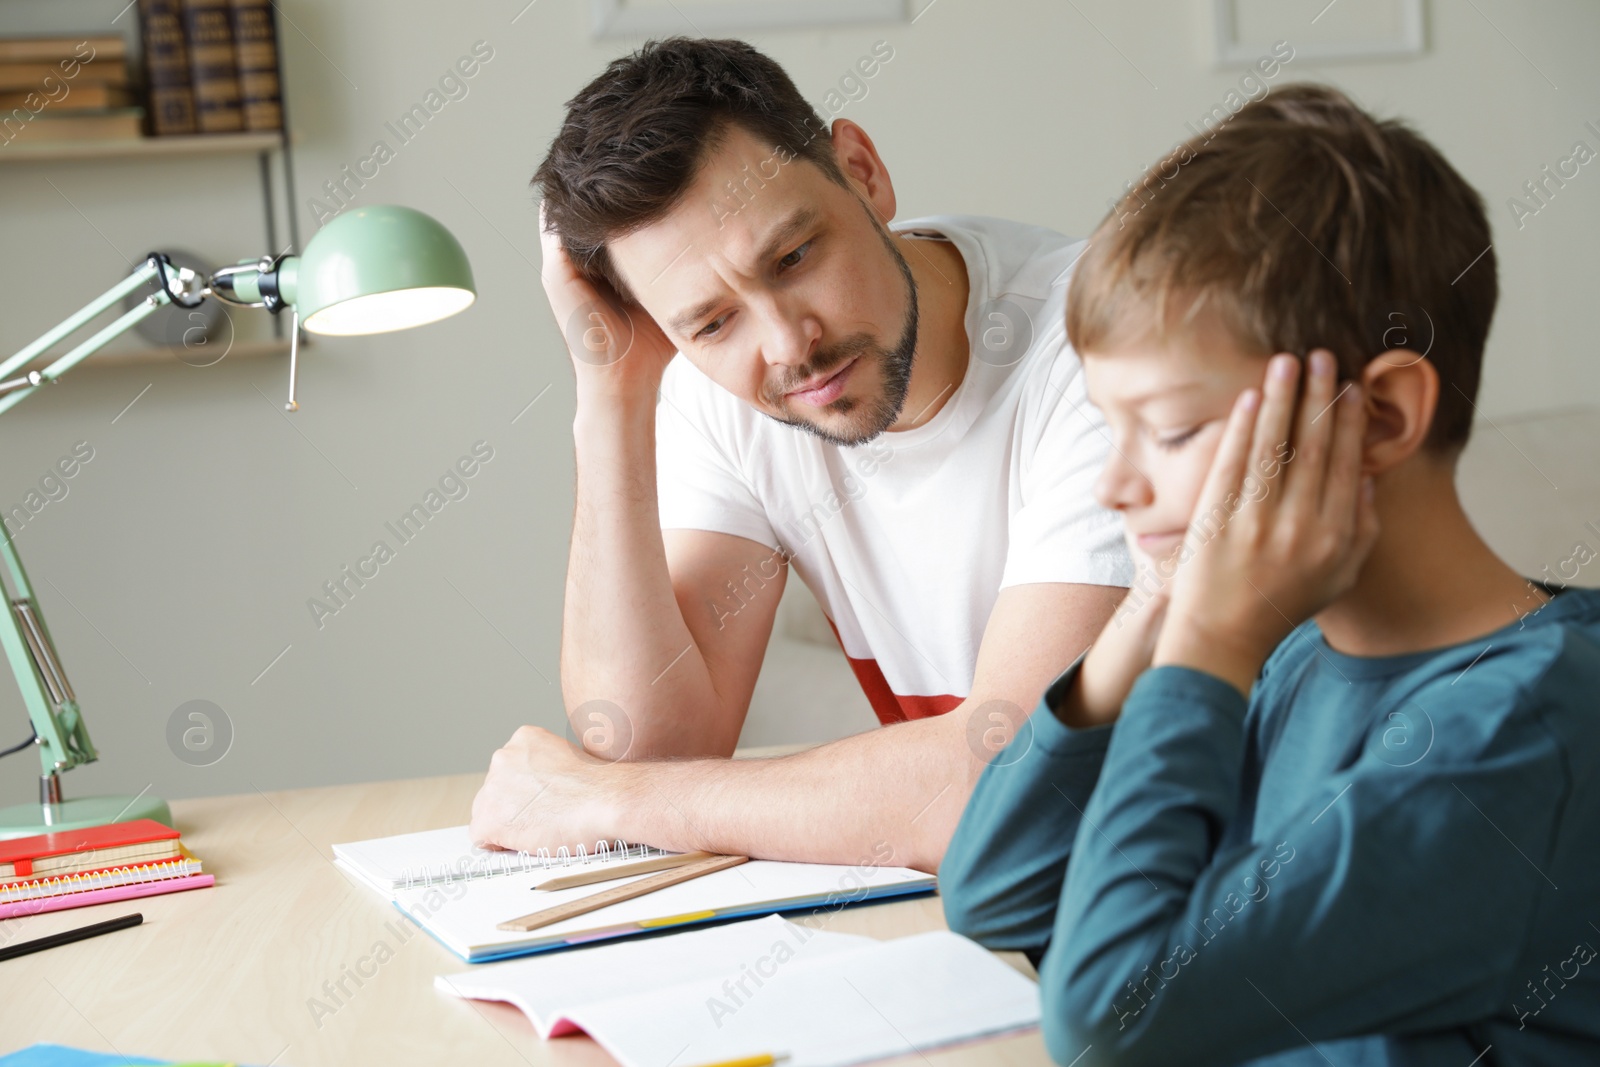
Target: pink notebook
x,y
106,895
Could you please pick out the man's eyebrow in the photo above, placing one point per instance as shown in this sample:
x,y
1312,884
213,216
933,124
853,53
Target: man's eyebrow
x,y
683,323
797,222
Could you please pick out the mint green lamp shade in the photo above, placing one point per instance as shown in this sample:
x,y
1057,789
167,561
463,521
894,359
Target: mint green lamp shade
x,y
376,269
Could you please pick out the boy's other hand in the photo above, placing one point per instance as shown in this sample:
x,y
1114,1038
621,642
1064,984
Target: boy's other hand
x,y
1120,654
617,350
1296,523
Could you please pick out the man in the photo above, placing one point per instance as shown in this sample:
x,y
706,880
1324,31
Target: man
x,y
895,412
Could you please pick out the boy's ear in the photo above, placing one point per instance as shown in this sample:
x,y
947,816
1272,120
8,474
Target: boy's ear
x,y
1402,391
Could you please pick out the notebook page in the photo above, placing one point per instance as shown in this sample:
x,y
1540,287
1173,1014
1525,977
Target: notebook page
x,y
385,863
547,988
464,915
888,998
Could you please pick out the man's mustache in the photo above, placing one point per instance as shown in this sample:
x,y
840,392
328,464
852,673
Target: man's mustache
x,y
825,362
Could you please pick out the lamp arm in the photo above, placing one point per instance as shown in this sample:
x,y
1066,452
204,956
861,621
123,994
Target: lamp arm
x,y
145,272
59,729
21,388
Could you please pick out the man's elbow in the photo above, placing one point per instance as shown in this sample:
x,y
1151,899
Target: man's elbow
x,y
607,731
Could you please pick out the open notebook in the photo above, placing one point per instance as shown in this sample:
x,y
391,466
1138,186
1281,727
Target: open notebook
x,y
460,894
764,986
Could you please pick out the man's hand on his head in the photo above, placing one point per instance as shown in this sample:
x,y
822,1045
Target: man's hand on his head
x,y
617,350
1282,528
544,792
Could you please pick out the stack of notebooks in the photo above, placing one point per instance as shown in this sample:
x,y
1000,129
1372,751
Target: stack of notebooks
x,y
461,895
65,89
75,868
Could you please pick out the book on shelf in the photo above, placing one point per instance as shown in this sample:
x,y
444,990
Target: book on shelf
x,y
109,48
65,89
169,96
49,78
213,67
209,66
255,45
86,96
100,124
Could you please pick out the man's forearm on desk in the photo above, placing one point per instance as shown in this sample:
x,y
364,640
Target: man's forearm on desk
x,y
889,796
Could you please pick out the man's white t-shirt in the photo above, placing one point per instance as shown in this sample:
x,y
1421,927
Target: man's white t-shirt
x,y
907,540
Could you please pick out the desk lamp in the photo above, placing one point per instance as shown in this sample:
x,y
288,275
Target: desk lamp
x,y
370,270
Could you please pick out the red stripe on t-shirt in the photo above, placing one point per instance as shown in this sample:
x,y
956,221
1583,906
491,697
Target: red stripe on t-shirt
x,y
889,706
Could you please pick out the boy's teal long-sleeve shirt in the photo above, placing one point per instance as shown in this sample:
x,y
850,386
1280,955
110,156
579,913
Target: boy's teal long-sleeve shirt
x,y
1376,861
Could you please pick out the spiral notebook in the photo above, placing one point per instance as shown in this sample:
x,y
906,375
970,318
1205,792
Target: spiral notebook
x,y
441,857
182,866
460,894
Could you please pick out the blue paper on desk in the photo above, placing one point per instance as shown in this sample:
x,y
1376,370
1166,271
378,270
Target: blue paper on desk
x,y
48,1055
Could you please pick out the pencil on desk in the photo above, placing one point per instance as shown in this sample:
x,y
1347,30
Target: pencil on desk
x,y
648,884
67,937
766,1059
657,863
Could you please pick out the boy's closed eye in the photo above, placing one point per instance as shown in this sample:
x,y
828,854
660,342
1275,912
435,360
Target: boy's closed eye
x,y
1174,441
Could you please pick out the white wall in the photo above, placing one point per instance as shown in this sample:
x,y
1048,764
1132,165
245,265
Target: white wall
x,y
180,564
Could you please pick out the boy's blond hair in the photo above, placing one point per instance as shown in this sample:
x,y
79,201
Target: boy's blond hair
x,y
1302,223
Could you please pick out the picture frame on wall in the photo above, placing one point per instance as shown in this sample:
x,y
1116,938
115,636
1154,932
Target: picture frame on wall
x,y
1326,30
715,18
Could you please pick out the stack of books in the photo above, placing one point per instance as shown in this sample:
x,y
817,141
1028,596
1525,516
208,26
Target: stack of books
x,y
75,868
211,66
65,89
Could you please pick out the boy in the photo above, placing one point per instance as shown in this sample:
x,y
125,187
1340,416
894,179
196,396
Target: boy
x,y
1367,838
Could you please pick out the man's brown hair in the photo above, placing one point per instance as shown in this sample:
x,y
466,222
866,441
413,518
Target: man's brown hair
x,y
1303,223
634,138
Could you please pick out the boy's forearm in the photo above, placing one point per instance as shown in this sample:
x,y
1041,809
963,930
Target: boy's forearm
x,y
1164,917
1002,874
891,796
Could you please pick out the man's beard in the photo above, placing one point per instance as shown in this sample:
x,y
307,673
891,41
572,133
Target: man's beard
x,y
874,416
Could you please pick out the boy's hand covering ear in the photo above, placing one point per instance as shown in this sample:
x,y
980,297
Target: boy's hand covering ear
x,y
1282,527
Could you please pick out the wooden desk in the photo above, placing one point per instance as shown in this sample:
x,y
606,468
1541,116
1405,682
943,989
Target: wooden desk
x,y
231,972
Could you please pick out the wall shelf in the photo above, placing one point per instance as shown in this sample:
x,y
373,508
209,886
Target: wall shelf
x,y
143,147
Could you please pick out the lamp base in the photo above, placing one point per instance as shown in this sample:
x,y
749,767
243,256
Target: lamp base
x,y
25,820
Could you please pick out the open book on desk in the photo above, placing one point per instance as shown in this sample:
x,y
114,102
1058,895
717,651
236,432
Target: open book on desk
x,y
460,894
764,986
